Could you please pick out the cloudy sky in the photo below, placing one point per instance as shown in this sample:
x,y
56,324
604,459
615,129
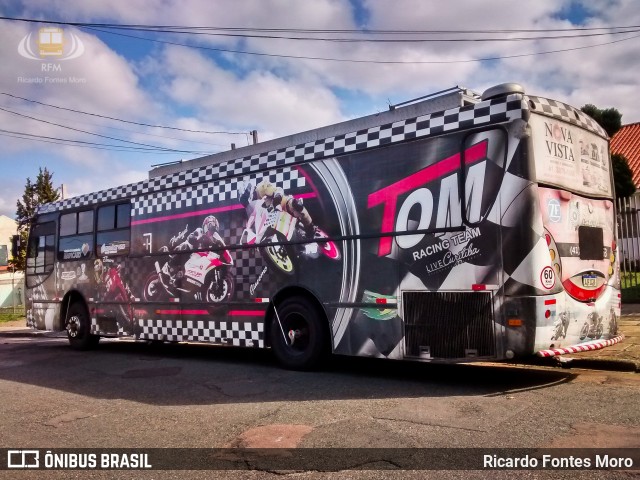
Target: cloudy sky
x,y
203,83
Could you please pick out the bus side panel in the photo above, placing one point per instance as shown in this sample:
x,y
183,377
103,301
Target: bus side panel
x,y
365,198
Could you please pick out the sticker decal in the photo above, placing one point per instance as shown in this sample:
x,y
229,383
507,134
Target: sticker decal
x,y
548,278
553,206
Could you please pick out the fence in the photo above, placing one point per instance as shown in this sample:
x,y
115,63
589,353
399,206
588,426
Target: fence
x,y
629,247
12,292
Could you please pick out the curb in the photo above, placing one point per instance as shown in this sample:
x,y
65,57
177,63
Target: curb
x,y
602,364
27,332
610,364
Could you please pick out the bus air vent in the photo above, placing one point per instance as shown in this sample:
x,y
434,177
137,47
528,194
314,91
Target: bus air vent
x,y
449,325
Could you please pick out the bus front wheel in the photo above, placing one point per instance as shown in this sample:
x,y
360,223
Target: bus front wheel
x,y
297,336
79,328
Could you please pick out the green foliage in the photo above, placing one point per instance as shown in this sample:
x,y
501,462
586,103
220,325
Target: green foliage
x,y
610,118
622,176
35,194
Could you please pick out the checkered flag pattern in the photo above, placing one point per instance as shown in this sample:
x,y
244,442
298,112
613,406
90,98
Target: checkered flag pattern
x,y
212,193
565,112
248,266
239,334
491,111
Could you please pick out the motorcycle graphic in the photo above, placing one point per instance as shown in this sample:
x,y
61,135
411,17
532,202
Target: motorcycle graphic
x,y
115,293
613,323
205,276
592,328
284,238
561,326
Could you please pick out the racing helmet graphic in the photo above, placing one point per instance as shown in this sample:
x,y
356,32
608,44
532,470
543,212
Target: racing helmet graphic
x,y
265,189
210,225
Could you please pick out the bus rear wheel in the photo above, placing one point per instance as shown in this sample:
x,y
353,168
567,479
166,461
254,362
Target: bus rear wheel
x,y
79,328
297,334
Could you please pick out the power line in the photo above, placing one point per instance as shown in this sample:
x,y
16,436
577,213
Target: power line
x,y
79,143
612,31
125,130
344,60
103,136
120,119
156,28
317,31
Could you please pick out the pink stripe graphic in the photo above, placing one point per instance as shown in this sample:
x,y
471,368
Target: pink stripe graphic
x,y
246,313
188,214
182,312
204,212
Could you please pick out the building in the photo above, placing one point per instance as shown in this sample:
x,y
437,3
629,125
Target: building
x,y
626,141
11,283
8,228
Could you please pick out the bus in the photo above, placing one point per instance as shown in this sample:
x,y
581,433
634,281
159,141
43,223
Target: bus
x,y
453,228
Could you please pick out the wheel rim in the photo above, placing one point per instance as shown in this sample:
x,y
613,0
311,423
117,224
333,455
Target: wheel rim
x,y
296,329
73,326
280,257
213,288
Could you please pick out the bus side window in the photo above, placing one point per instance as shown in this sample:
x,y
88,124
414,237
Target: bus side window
x,y
113,237
40,253
76,235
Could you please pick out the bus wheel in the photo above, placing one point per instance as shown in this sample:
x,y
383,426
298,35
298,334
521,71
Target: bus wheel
x,y
298,339
79,327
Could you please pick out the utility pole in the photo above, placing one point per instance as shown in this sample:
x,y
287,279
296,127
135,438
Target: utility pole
x,y
254,134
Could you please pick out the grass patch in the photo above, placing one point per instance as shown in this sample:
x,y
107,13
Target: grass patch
x,y
631,294
630,286
9,317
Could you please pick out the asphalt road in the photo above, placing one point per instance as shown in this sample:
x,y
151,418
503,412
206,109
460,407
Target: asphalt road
x,y
128,395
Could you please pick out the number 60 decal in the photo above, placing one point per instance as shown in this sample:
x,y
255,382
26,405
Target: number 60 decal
x,y
548,278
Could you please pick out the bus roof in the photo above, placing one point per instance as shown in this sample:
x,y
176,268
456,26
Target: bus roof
x,y
455,109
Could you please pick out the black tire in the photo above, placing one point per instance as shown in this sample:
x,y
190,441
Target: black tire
x,y
79,328
310,342
219,292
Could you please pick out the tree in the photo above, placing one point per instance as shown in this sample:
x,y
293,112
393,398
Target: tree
x,y
35,194
611,120
622,176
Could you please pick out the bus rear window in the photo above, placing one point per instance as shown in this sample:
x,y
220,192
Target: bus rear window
x,y
591,243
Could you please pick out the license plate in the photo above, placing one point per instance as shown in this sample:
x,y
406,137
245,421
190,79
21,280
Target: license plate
x,y
589,281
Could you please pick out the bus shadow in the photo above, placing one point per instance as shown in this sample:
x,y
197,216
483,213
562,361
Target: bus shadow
x,y
179,374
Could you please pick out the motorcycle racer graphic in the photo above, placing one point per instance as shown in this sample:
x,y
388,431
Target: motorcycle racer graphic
x,y
592,328
112,288
561,326
282,222
206,274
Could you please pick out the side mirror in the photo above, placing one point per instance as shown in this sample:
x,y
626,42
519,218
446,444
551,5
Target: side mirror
x,y
15,245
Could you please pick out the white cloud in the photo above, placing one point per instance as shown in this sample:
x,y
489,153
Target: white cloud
x,y
261,99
